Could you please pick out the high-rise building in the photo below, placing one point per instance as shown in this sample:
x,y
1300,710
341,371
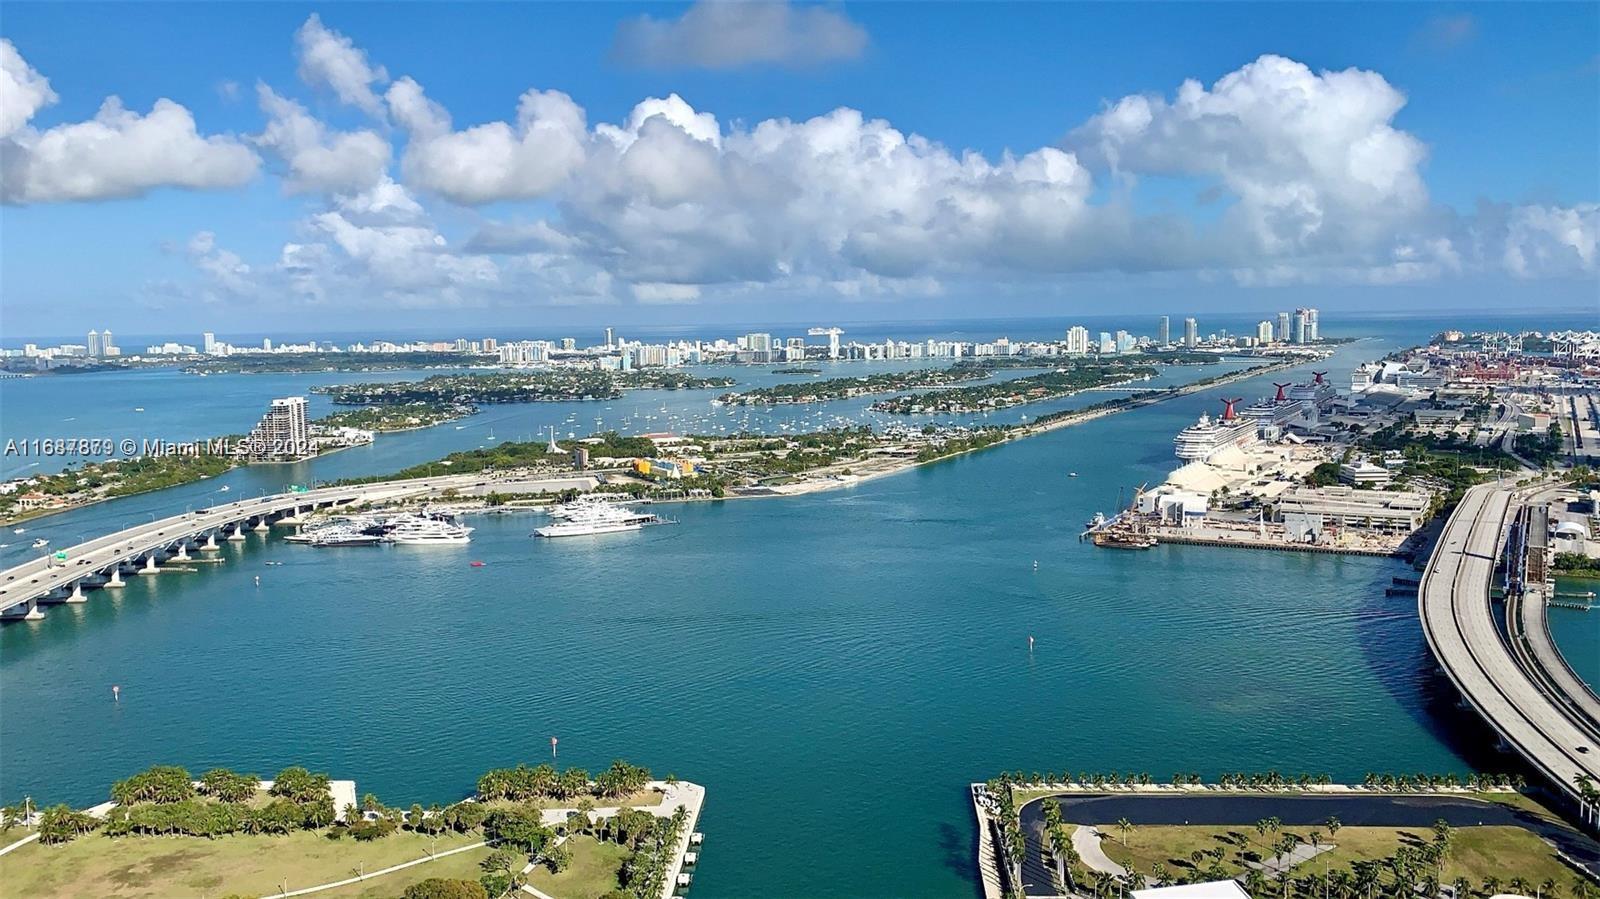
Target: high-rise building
x,y
1264,332
94,343
1300,326
491,345
1164,331
1107,344
568,344
209,341
266,344
1312,332
1191,332
608,339
284,432
1283,327
1077,340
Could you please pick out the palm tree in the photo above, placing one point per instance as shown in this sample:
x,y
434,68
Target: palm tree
x,y
1333,825
1462,887
1124,825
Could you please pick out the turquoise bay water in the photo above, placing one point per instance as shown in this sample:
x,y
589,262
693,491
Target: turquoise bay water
x,y
834,668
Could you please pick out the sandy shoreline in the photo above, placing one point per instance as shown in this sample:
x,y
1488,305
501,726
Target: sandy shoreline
x,y
865,471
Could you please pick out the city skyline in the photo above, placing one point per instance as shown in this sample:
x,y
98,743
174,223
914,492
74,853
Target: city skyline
x,y
1075,341
321,164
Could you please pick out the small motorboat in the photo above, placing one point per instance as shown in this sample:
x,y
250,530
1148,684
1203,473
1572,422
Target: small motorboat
x,y
19,530
138,408
477,564
224,488
41,542
1072,474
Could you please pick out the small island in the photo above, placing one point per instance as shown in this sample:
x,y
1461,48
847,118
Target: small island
x,y
1014,392
399,417
618,834
556,385
844,388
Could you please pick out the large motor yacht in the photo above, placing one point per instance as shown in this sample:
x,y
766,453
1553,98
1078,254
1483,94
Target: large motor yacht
x,y
599,518
420,530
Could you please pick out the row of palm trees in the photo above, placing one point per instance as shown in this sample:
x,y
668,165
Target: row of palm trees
x,y
1424,782
522,783
1270,780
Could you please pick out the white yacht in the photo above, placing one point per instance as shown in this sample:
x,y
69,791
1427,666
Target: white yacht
x,y
599,519
346,535
589,502
426,531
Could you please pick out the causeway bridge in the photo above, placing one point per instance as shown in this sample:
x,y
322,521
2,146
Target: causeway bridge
x,y
1533,713
102,562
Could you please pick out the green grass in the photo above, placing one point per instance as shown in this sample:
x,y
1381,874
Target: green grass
x,y
1478,852
461,866
139,867
593,871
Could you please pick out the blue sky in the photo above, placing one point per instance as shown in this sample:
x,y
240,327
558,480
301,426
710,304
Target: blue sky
x,y
1430,156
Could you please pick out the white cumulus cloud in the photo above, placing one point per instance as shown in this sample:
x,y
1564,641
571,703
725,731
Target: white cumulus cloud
x,y
329,59
1312,160
318,159
496,160
120,153
725,34
23,91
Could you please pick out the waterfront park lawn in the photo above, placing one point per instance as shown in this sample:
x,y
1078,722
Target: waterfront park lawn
x,y
592,873
138,867
1476,853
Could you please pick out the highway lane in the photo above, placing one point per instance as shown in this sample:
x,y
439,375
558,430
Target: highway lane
x,y
1574,691
1459,623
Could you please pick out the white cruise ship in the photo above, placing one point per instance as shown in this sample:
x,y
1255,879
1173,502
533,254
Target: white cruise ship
x,y
1279,410
425,531
599,518
1203,439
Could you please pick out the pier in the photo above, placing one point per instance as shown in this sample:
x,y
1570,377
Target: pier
x,y
1172,535
102,562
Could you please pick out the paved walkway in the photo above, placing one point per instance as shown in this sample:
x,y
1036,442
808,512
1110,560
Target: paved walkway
x,y
389,870
1086,840
1303,852
687,795
20,843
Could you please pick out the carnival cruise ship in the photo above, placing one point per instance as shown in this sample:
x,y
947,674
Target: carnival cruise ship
x,y
1278,410
1201,440
599,519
